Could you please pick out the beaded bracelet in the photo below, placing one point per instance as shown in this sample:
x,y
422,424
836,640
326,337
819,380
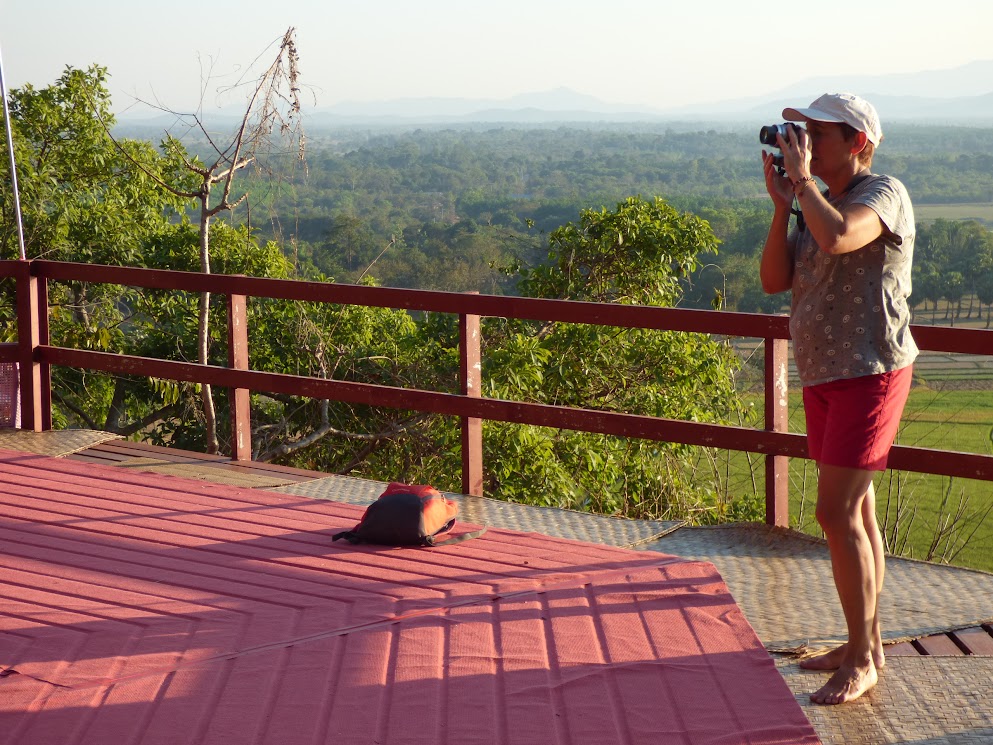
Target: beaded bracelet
x,y
802,184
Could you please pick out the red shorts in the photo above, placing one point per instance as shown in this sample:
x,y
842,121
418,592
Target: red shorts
x,y
852,422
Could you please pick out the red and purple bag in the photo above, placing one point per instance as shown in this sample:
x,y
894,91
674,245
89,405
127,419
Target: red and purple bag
x,y
407,515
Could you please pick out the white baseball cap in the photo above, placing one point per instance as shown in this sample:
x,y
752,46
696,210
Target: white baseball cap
x,y
841,108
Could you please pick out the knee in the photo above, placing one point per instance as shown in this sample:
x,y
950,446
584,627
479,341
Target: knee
x,y
834,518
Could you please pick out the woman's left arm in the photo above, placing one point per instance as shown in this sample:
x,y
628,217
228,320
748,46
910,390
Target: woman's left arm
x,y
839,232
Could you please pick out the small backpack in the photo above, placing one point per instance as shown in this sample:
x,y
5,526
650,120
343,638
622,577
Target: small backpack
x,y
407,515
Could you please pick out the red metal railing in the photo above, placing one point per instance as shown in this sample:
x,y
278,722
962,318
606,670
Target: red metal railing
x,y
36,354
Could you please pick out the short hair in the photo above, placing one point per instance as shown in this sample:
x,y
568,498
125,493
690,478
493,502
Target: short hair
x,y
865,157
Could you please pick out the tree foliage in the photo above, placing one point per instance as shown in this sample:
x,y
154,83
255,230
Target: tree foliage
x,y
634,254
84,197
88,199
953,261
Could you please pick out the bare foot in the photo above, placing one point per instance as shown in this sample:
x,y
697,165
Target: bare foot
x,y
833,660
847,684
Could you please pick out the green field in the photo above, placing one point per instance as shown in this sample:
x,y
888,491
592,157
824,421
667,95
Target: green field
x,y
959,420
982,211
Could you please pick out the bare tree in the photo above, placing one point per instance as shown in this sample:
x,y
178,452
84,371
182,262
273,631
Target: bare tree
x,y
272,111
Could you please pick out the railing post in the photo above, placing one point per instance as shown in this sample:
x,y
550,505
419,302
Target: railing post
x,y
44,337
470,381
777,478
240,398
32,330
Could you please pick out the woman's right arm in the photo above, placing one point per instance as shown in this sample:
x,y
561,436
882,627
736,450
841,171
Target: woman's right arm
x,y
776,270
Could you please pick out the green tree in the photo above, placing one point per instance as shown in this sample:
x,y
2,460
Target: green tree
x,y
636,254
87,199
633,255
84,197
926,286
348,249
952,288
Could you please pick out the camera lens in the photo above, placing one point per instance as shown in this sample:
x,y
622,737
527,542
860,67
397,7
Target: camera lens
x,y
767,135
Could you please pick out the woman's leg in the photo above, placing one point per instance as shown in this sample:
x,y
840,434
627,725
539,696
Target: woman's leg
x,y
879,559
833,659
841,495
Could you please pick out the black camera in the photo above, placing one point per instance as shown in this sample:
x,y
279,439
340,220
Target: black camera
x,y
767,135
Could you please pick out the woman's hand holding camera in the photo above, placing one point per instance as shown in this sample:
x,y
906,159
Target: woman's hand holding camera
x,y
779,186
795,147
795,156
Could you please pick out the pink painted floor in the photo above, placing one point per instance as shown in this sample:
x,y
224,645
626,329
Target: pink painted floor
x,y
138,609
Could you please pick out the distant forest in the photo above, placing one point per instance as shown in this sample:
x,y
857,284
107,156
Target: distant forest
x,y
450,208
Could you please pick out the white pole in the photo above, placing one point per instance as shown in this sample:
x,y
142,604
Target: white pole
x,y
13,165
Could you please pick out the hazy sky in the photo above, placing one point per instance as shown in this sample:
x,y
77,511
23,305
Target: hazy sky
x,y
653,53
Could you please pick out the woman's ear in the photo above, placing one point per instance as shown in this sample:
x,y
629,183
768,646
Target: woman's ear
x,y
859,142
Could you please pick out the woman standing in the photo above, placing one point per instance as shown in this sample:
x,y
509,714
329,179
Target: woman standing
x,y
848,265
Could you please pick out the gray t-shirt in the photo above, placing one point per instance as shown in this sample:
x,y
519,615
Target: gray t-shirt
x,y
849,313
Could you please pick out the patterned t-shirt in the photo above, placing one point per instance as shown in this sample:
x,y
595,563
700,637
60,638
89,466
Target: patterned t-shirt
x,y
849,313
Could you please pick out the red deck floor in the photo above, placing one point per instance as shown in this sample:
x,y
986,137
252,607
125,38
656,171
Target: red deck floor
x,y
139,609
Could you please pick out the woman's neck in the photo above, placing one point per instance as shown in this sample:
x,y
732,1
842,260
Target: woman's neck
x,y
841,182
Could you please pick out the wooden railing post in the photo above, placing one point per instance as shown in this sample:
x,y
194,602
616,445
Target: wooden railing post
x,y
44,337
777,412
241,411
470,381
32,331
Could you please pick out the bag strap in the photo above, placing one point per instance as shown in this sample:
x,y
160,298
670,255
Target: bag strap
x,y
351,536
432,541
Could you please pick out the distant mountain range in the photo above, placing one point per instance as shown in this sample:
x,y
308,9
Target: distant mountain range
x,y
957,95
962,93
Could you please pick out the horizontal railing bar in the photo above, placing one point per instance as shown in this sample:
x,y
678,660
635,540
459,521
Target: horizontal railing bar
x,y
951,339
536,309
544,415
755,325
941,462
933,338
724,437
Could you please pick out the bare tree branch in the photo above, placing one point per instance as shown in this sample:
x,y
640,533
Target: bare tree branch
x,y
166,412
326,430
137,164
90,423
274,102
